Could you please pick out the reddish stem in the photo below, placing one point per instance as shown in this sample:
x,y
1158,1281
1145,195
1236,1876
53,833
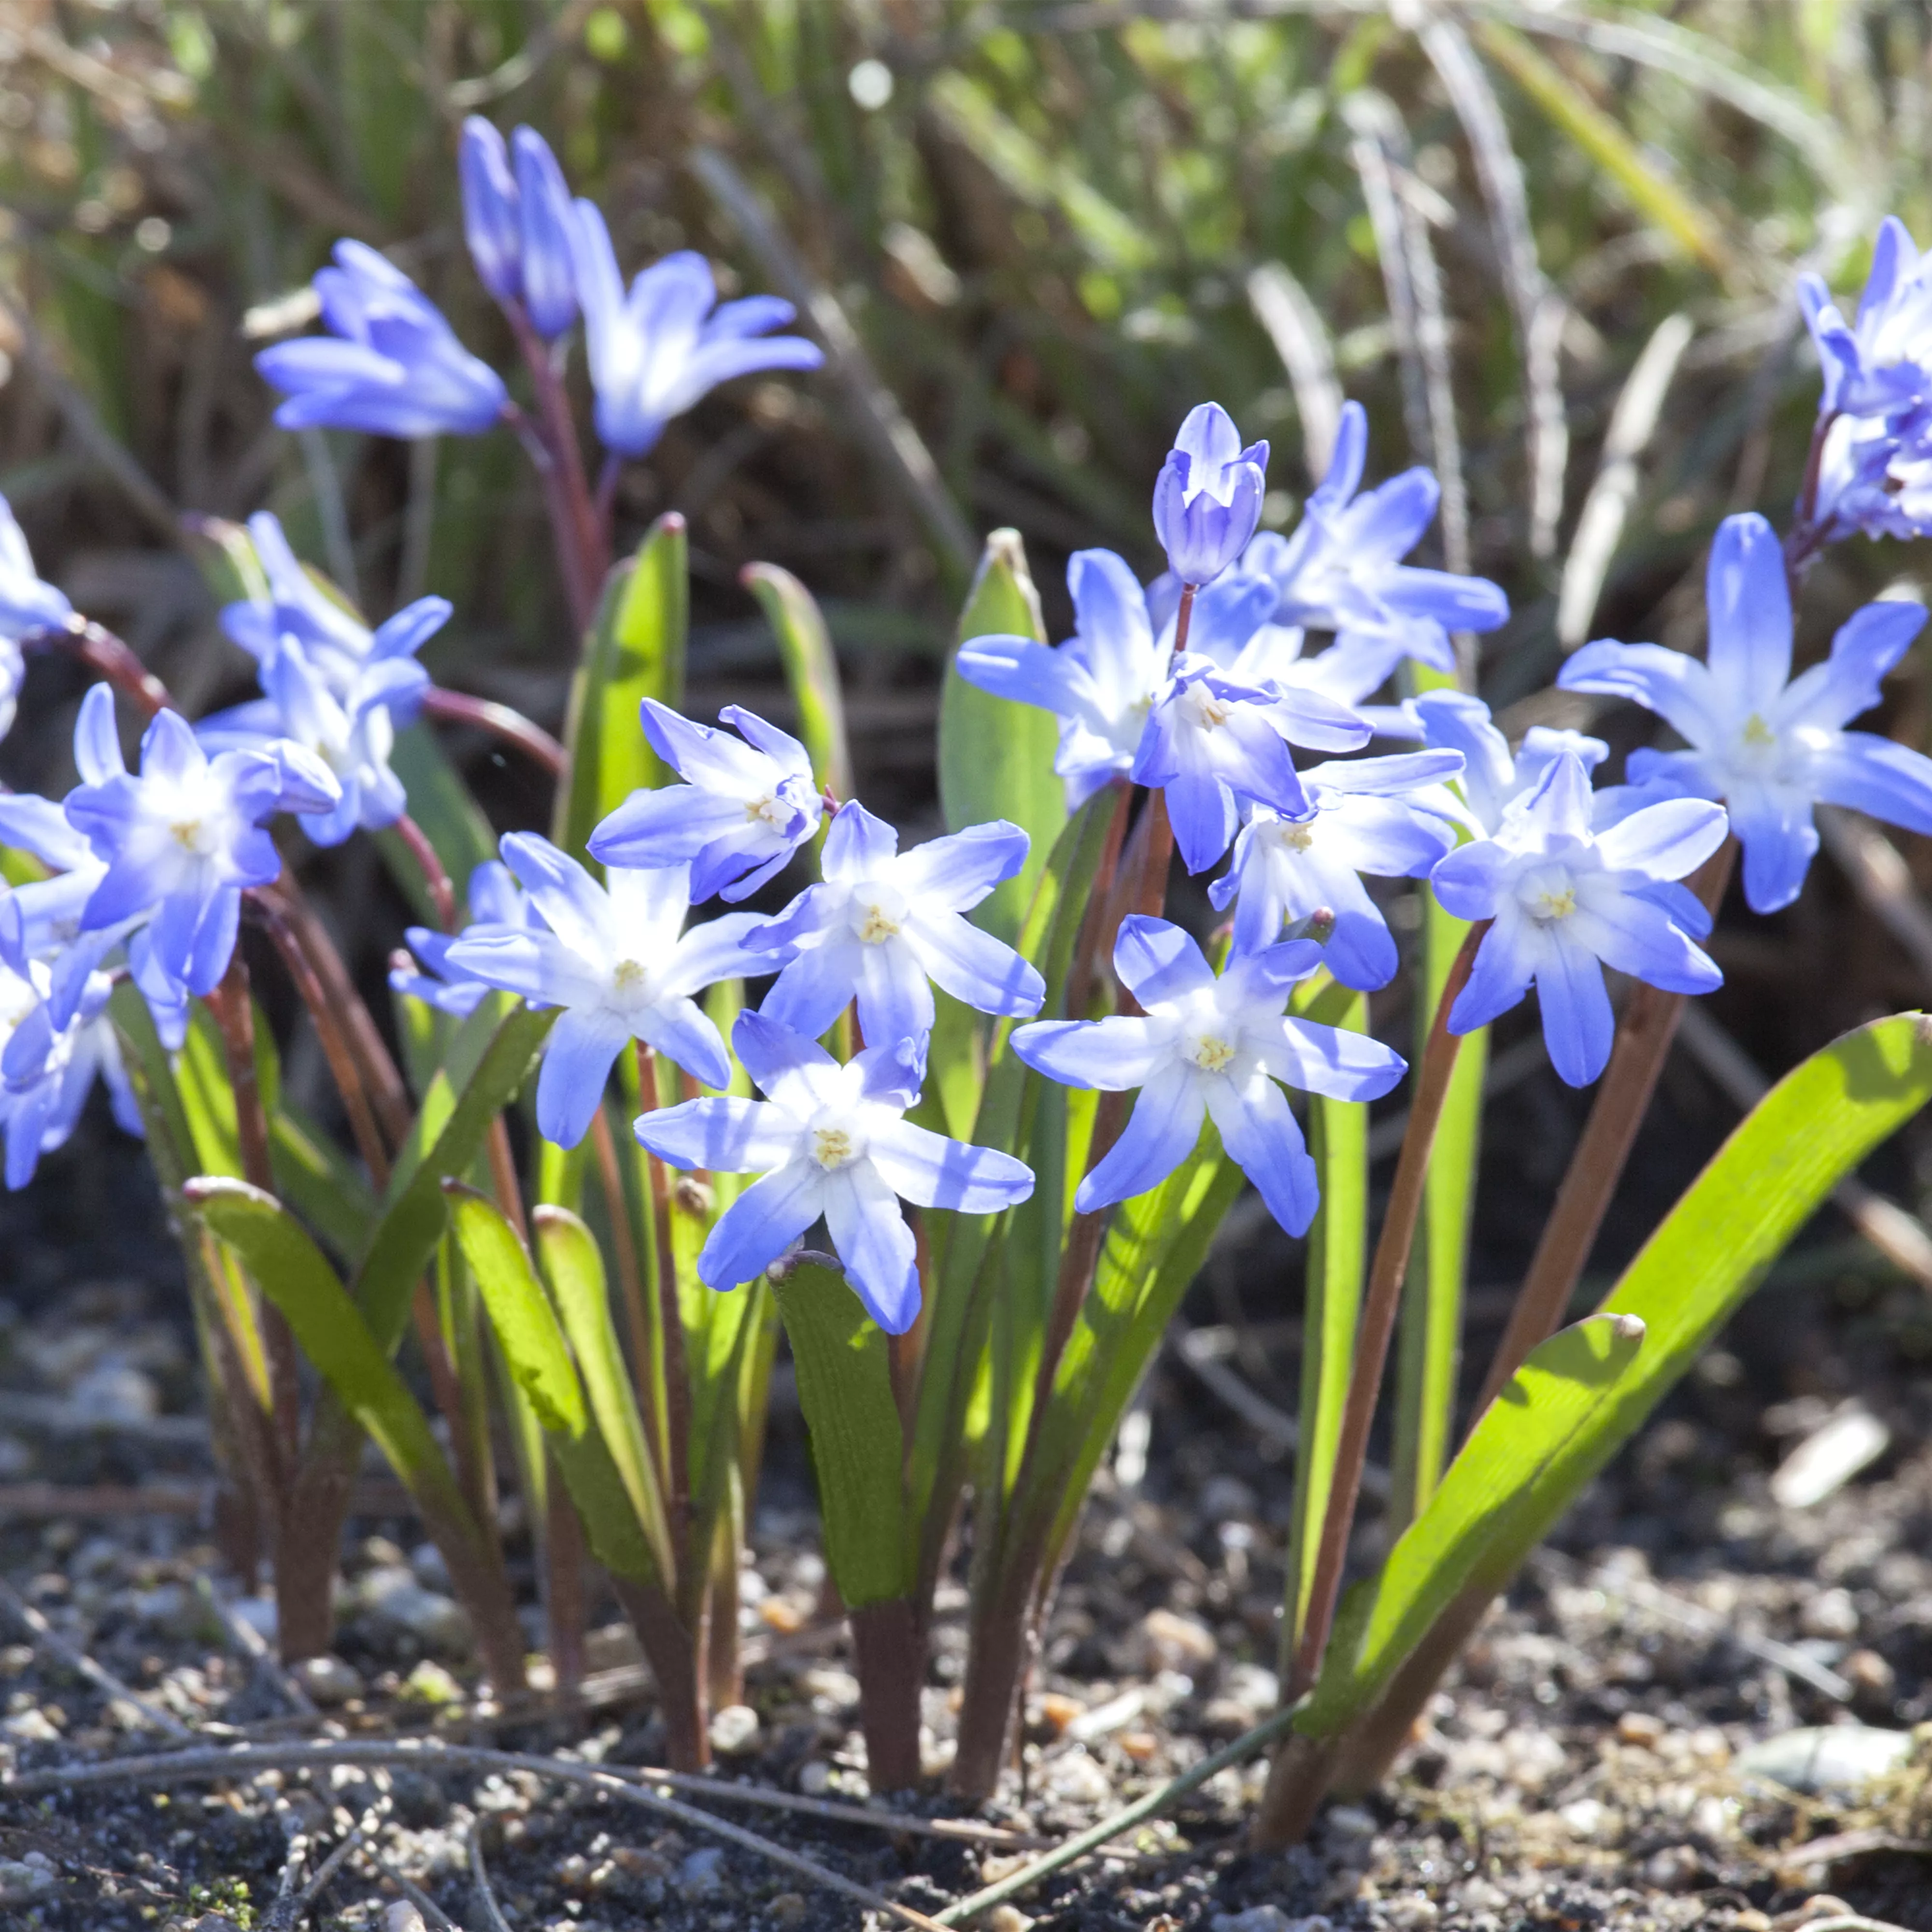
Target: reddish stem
x,y
502,722
442,895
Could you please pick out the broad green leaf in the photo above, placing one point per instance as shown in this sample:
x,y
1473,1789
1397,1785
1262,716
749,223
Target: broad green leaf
x,y
532,1345
574,1267
413,1215
1338,1241
1432,1292
804,648
1554,1400
844,1387
295,1275
519,1310
996,757
635,650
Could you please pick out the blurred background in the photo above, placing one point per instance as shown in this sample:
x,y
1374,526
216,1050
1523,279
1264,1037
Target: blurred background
x,y
1552,249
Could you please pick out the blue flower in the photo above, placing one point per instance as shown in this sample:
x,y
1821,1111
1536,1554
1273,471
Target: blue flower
x,y
1875,475
1770,746
748,805
1882,362
830,1141
517,224
1107,681
26,605
615,958
1208,1048
1366,815
391,364
1207,497
1342,570
338,645
184,839
497,902
655,353
47,1072
883,923
351,731
1492,778
1568,898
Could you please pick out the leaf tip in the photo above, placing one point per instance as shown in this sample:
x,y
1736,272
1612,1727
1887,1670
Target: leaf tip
x,y
1627,1328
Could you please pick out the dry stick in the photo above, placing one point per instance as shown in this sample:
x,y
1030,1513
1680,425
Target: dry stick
x,y
281,1913
76,1660
493,1920
1642,1045
1380,1301
352,1839
194,1766
1245,1746
501,721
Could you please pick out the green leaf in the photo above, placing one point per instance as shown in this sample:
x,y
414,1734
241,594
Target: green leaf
x,y
294,1274
845,1388
519,1310
574,1267
532,1345
1484,1504
414,1215
635,650
1338,1242
804,648
996,757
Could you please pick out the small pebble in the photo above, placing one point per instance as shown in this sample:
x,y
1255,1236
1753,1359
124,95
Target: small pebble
x,y
734,1730
1870,1672
1675,1868
1007,1919
701,1872
1639,1727
1172,1642
1831,1613
1056,1710
403,1917
788,1908
1750,1920
1075,1778
329,1681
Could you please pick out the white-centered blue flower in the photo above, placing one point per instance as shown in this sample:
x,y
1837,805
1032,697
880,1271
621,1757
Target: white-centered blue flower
x,y
1882,362
1770,746
1342,570
497,902
516,221
1567,899
746,806
182,840
883,923
352,734
1128,707
1366,815
1214,1048
337,642
830,1141
1207,497
657,351
391,364
616,959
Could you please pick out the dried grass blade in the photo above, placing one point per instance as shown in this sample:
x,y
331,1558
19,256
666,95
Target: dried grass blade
x,y
1300,338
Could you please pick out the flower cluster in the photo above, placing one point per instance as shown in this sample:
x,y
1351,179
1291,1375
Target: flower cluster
x,y
391,364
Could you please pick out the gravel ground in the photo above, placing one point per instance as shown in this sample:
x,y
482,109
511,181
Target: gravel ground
x,y
1587,1766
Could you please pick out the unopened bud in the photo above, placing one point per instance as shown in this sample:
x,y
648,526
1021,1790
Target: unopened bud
x,y
693,1196
1319,926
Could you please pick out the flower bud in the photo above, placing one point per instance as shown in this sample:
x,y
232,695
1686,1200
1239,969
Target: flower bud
x,y
550,286
1207,499
490,221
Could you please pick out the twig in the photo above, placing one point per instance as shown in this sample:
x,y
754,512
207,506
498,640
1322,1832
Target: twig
x,y
433,1914
492,1915
287,1902
76,1660
500,721
191,1766
1245,1746
351,1839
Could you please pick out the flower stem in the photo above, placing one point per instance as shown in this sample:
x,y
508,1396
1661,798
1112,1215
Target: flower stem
x,y
1380,1301
1806,539
1649,1024
501,721
581,549
435,878
101,651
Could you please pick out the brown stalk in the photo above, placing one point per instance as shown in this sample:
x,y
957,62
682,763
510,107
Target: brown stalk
x,y
436,880
1643,1039
509,727
1380,1300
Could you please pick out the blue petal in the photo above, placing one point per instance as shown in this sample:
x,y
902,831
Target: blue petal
x,y
1578,1026
1112,1054
894,998
1629,931
764,1221
1469,881
1505,964
1875,776
868,1231
682,1032
1334,1062
977,969
957,871
1157,962
1773,824
1749,603
1263,1141
929,1169
1668,839
772,1052
811,992
1160,1134
577,1059
725,1135
858,847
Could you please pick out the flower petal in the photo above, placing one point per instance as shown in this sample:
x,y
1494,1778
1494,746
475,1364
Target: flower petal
x,y
1157,962
868,1231
764,1221
1120,1051
1160,1134
1877,776
577,1059
1578,1026
1333,1061
1666,840
1749,602
935,1172
1261,1138
726,1136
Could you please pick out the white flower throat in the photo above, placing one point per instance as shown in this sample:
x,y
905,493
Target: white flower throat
x,y
836,1140
1548,894
877,913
